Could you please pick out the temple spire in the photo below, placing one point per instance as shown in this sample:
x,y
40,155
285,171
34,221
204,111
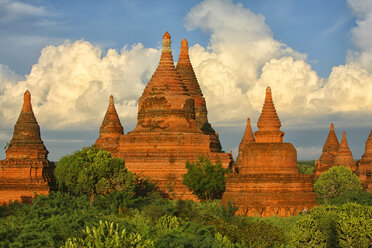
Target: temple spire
x,y
344,156
368,152
331,144
26,141
111,122
248,136
268,124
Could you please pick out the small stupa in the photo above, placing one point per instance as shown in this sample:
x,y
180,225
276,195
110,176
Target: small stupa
x,y
110,130
329,152
268,182
26,169
365,166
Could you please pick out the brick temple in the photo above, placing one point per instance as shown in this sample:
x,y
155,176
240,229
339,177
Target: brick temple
x,y
172,126
334,154
268,182
26,169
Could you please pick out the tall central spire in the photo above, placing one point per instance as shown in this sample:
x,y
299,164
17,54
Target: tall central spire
x,y
166,103
268,124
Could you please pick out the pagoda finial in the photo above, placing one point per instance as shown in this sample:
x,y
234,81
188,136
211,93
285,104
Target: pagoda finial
x,y
269,120
27,107
332,127
166,42
111,100
184,48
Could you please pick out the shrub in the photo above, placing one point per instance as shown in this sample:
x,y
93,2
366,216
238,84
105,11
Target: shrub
x,y
107,235
91,171
360,197
332,226
205,180
335,182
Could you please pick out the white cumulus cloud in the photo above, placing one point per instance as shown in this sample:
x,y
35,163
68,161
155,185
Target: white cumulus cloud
x,y
71,84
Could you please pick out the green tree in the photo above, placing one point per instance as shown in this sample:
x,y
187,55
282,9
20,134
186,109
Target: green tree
x,y
336,181
348,225
93,172
206,180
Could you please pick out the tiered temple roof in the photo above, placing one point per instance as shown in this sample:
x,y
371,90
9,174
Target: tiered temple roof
x,y
26,169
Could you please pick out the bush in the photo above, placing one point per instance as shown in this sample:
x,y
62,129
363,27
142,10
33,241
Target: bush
x,y
332,226
205,180
360,197
92,171
246,232
336,181
306,166
107,235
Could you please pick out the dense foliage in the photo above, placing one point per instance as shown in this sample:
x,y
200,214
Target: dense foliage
x,y
206,180
331,226
336,181
137,216
92,171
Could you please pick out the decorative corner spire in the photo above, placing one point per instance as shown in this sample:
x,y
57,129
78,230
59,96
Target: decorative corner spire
x,y
332,127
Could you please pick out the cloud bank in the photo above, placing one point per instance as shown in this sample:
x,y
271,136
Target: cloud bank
x,y
71,83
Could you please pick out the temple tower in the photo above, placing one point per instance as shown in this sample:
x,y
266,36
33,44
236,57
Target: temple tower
x,y
26,169
328,155
268,182
167,134
344,157
110,130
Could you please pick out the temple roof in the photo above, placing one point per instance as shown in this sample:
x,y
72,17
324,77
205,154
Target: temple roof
x,y
248,136
331,144
269,120
344,156
111,122
26,141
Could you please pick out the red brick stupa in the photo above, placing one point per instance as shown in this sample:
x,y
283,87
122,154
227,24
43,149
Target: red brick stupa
x,y
268,182
365,166
328,155
335,154
110,130
167,134
26,169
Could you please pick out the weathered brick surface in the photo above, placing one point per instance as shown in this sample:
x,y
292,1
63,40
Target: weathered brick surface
x,y
110,130
364,170
25,170
167,133
268,182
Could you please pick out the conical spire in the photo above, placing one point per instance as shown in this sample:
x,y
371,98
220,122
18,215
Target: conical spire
x,y
247,137
344,156
268,124
186,71
26,141
166,103
111,122
331,144
367,156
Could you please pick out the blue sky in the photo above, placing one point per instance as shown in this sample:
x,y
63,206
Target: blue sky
x,y
316,56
